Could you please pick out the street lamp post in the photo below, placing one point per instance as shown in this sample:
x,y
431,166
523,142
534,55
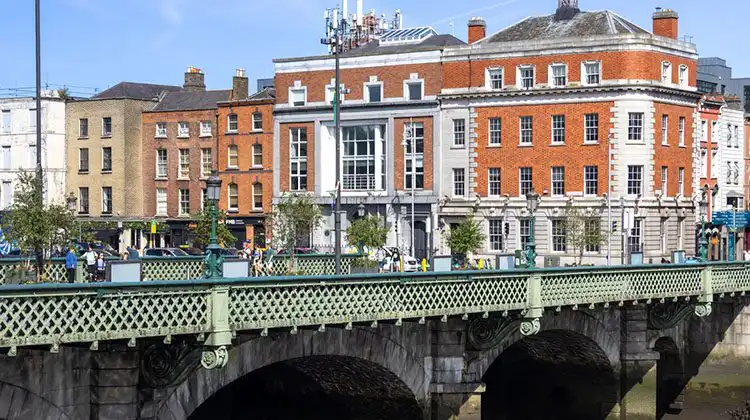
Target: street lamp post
x,y
410,142
703,241
214,259
732,239
532,202
609,198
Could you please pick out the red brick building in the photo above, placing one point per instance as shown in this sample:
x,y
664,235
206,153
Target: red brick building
x,y
179,139
540,101
245,160
391,91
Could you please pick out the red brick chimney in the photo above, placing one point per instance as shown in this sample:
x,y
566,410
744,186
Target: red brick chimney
x,y
239,85
665,23
477,29
194,80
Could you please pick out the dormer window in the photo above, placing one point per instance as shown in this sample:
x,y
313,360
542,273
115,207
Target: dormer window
x,y
592,71
559,75
526,76
373,90
495,78
666,72
414,88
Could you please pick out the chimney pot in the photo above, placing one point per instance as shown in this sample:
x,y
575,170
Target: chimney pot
x,y
477,29
240,83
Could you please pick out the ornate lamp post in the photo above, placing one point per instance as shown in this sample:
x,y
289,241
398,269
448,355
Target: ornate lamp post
x,y
703,240
532,202
214,259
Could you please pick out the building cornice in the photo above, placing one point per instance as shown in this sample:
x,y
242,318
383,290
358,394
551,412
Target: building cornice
x,y
416,105
478,94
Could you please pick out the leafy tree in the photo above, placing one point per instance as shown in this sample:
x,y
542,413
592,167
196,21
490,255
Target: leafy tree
x,y
466,237
292,217
582,230
63,93
368,232
202,230
34,225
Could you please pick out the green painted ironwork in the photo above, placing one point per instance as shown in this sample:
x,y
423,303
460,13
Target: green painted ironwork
x,y
55,314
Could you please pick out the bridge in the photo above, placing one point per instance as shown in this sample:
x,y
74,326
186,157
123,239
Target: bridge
x,y
585,343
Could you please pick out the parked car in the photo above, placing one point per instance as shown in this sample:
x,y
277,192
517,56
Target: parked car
x,y
299,251
393,258
164,252
196,252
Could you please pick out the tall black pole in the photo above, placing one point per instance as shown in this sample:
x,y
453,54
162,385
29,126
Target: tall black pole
x,y
39,174
336,116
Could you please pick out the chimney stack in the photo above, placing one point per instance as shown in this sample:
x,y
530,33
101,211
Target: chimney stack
x,y
567,9
477,29
665,23
194,80
239,85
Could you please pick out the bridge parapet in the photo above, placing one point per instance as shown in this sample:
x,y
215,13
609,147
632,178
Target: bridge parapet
x,y
215,310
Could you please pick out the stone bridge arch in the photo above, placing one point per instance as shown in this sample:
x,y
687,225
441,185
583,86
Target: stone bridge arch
x,y
601,326
18,403
387,346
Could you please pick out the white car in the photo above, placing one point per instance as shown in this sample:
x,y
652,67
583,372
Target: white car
x,y
411,265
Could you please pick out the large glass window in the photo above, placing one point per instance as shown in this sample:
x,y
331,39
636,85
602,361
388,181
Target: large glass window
x,y
524,232
233,197
592,72
359,158
184,202
257,196
83,127
83,200
161,163
634,240
527,77
83,160
106,126
233,156
257,155
206,162
682,131
106,200
459,132
161,201
298,159
664,183
665,129
681,181
184,169
459,182
106,159
559,75
414,134
495,78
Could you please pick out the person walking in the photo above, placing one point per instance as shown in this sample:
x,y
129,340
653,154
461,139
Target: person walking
x,y
71,264
90,258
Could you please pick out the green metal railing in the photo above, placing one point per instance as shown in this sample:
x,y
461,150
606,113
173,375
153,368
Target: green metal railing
x,y
20,270
55,314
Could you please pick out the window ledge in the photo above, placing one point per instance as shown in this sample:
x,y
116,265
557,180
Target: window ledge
x,y
557,144
106,136
183,178
525,145
256,211
494,146
665,145
183,137
635,142
232,168
590,143
106,214
232,132
203,136
233,211
161,178
161,215
106,171
83,137
455,147
682,146
160,137
257,131
256,167
83,213
80,172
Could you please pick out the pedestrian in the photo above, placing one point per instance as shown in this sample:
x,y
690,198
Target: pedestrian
x,y
132,253
101,267
71,264
124,256
90,258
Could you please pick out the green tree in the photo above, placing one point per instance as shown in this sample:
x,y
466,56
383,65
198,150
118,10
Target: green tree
x,y
368,232
583,230
293,216
34,225
64,93
202,230
467,237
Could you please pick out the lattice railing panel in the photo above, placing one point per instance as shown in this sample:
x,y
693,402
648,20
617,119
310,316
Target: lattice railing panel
x,y
730,279
312,264
172,269
280,305
85,317
571,288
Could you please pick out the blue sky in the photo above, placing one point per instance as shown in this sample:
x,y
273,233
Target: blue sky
x,y
88,44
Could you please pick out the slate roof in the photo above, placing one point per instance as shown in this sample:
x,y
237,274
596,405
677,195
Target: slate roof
x,y
582,24
267,93
192,101
435,42
130,90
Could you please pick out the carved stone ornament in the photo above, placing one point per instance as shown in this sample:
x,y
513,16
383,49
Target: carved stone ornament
x,y
663,316
530,326
164,365
703,310
215,358
488,333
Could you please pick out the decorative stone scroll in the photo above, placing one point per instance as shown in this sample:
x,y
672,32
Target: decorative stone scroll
x,y
164,365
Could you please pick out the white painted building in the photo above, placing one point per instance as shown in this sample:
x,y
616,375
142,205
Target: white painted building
x,y
18,144
730,167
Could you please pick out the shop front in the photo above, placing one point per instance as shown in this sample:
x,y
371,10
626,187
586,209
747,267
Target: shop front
x,y
247,229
